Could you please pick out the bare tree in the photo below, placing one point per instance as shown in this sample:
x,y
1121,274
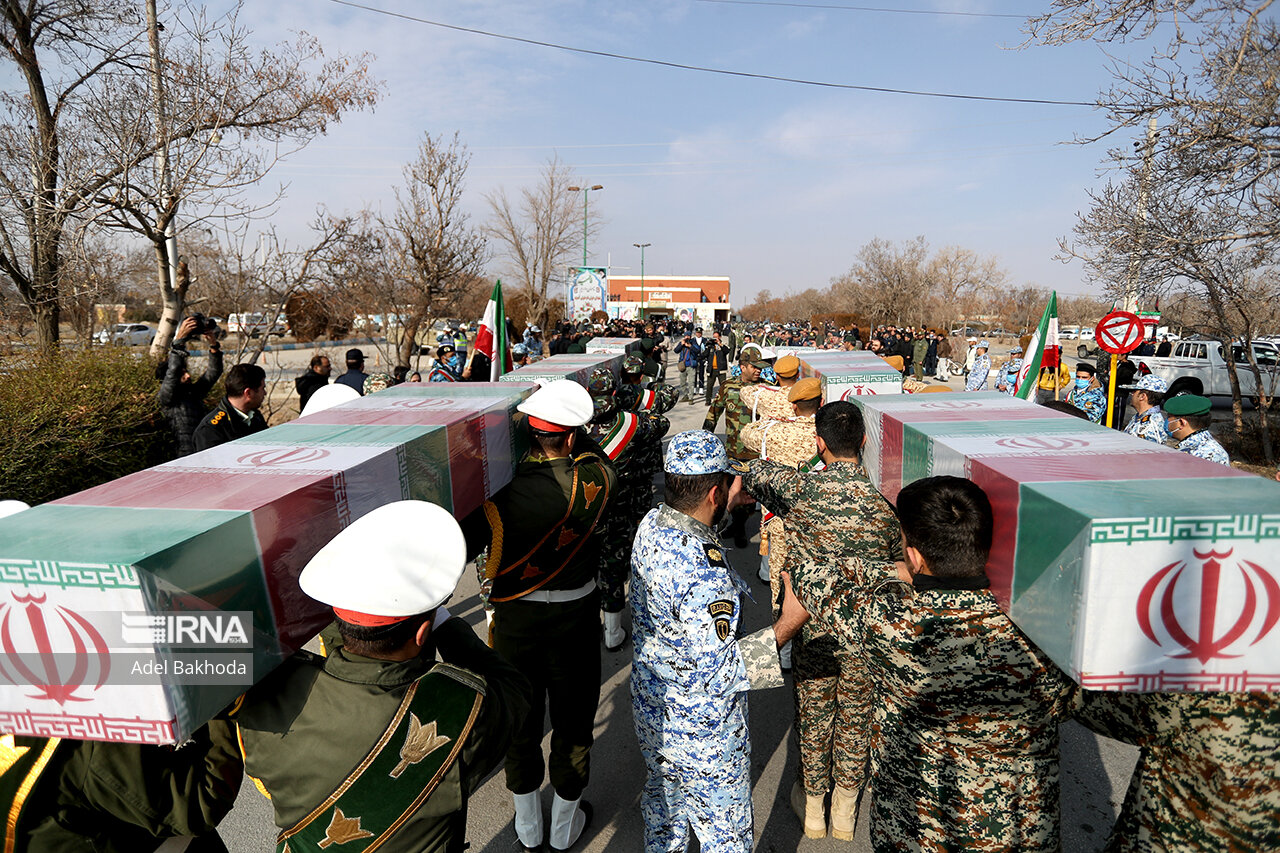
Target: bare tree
x,y
888,283
959,279
434,253
88,130
538,236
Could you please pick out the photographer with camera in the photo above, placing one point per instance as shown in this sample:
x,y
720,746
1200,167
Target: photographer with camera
x,y
181,396
689,359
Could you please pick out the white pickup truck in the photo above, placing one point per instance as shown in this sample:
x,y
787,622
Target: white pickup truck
x,y
1200,363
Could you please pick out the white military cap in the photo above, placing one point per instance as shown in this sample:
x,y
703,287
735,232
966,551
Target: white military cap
x,y
10,507
402,559
558,406
328,397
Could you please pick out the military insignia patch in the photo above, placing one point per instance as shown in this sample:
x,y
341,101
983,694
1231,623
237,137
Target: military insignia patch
x,y
714,555
721,611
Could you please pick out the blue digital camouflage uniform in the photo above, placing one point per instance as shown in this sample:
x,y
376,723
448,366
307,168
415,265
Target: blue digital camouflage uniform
x,y
1008,382
1149,425
1205,446
689,678
1092,401
977,380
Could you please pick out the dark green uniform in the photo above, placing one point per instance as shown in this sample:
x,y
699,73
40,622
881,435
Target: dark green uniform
x,y
1206,778
79,795
546,543
306,726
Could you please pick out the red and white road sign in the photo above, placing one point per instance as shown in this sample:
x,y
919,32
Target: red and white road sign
x,y
1119,332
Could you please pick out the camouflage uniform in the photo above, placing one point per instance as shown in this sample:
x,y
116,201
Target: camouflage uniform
x,y
830,516
767,402
967,712
1206,777
980,373
1203,445
634,442
689,679
736,416
1149,425
790,442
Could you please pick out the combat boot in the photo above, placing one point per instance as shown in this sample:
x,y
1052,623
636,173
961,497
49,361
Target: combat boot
x,y
844,813
809,809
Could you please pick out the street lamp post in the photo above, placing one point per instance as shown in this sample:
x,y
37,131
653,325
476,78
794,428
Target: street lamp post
x,y
642,247
584,191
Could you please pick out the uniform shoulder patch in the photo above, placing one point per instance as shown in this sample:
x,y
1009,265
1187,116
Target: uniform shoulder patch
x,y
714,555
218,416
721,612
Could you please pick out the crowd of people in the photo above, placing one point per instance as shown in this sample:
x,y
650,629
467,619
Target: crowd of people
x,y
910,683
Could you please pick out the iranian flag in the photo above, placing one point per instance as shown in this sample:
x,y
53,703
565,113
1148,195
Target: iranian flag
x,y
491,336
1042,350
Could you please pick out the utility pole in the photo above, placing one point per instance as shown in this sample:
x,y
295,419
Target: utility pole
x,y
584,191
165,183
1144,195
642,247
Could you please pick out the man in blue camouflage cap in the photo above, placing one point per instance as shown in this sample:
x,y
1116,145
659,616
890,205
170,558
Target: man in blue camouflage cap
x,y
1148,420
690,672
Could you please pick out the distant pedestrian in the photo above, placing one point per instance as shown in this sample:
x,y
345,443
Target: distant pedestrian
x,y
316,377
717,362
980,371
355,375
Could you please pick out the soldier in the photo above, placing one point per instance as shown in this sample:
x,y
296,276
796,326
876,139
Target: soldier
x,y
981,368
967,709
1145,397
690,672
1206,776
633,440
830,516
1188,421
542,532
421,734
736,416
60,794
446,366
769,402
1008,381
1087,394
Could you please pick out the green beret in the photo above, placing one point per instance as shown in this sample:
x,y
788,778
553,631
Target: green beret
x,y
1187,404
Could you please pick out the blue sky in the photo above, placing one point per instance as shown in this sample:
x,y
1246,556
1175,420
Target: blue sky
x,y
776,185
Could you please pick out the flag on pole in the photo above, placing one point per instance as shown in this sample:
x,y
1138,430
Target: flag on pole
x,y
491,336
1046,335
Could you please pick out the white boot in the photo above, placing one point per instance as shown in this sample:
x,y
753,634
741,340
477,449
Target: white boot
x,y
614,634
529,819
567,821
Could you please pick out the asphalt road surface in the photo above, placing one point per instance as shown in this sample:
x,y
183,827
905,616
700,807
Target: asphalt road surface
x,y
1095,771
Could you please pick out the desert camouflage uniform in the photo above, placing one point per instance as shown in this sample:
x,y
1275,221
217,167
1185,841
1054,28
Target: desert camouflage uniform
x,y
767,402
637,460
967,710
689,678
830,516
1206,777
736,416
790,442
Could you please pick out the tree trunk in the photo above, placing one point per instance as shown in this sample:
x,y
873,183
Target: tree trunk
x,y
1220,315
1262,402
409,339
47,315
173,300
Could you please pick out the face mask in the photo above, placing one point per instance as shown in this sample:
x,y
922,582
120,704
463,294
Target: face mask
x,y
1082,383
455,360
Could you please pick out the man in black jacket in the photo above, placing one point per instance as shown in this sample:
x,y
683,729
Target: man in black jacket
x,y
313,380
355,375
181,397
236,415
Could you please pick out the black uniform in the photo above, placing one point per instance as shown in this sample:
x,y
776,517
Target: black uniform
x,y
225,424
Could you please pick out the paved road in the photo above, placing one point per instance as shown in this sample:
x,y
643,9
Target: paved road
x,y
1095,771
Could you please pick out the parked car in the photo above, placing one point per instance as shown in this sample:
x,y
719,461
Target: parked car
x,y
256,323
967,331
127,334
1198,366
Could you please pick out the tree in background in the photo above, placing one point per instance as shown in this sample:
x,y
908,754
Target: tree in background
x,y
888,282
111,126
434,253
537,238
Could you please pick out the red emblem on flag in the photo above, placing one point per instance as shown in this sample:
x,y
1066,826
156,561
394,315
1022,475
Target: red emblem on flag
x,y
1213,634
952,404
1040,442
421,403
283,456
858,391
78,635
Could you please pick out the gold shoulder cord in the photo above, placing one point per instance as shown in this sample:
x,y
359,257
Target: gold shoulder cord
x,y
495,546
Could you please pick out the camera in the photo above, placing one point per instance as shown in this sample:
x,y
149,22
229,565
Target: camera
x,y
205,326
